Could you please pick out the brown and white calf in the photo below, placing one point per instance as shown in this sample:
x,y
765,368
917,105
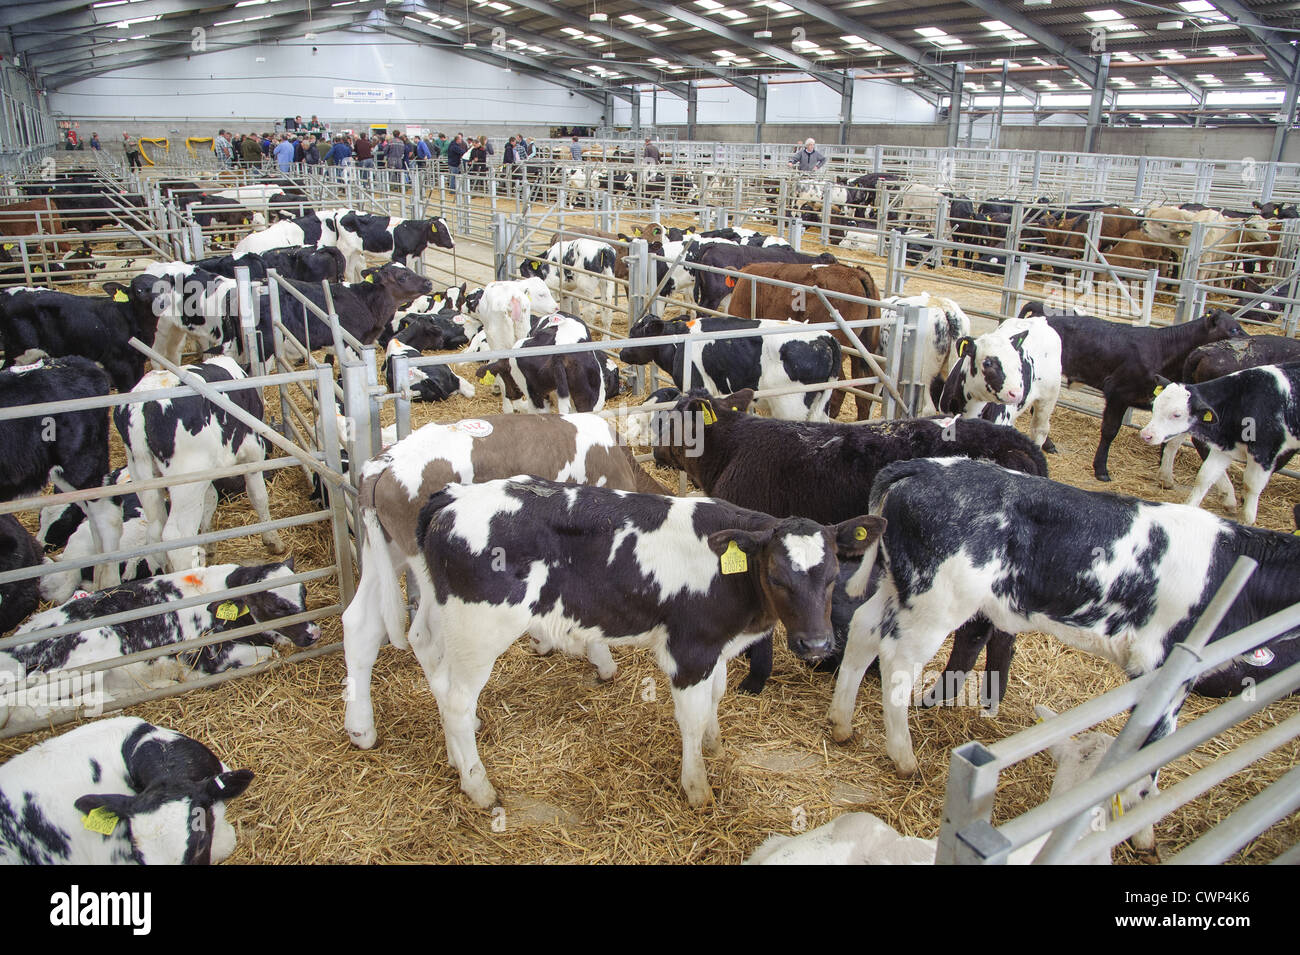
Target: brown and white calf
x,y
579,448
756,300
693,579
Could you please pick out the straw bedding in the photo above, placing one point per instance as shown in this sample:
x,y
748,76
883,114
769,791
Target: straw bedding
x,y
588,772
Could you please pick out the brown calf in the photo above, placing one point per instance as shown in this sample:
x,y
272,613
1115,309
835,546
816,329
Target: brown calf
x,y
1137,250
1066,234
780,303
33,217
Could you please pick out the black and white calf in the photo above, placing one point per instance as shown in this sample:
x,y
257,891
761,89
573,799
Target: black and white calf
x,y
186,435
695,580
558,268
802,357
1013,368
161,795
364,308
69,449
65,527
1123,360
1251,416
561,383
967,537
948,325
100,642
436,383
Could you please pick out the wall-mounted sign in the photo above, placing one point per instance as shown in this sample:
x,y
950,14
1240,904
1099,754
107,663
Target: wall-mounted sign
x,y
364,94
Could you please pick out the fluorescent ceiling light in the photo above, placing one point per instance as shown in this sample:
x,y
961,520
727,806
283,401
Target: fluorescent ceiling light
x,y
725,54
1103,16
657,61
994,26
632,18
708,4
931,31
571,31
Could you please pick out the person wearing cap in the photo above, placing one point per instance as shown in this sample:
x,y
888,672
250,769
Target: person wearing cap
x,y
808,159
575,149
652,153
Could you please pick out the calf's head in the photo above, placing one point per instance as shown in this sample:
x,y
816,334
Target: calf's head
x,y
404,285
797,563
993,368
1220,325
1175,410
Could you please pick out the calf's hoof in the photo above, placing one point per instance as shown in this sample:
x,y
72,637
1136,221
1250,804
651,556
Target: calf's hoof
x,y
276,547
363,739
1101,475
841,734
480,792
905,766
699,796
1049,447
752,685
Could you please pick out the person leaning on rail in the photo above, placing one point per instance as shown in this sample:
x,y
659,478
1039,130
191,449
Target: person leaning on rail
x,y
808,159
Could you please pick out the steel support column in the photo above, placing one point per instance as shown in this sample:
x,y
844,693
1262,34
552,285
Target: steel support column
x,y
846,107
954,104
760,109
1288,110
692,104
1095,107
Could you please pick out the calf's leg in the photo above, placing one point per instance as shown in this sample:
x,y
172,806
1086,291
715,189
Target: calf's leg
x,y
255,484
902,655
863,646
1254,482
1111,420
692,706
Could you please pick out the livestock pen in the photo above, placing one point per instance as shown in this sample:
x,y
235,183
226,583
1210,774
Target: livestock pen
x,y
584,767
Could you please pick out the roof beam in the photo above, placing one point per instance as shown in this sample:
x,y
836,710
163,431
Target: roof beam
x,y
744,84
13,14
451,41
172,48
1281,55
1082,64
525,65
820,73
857,28
566,49
177,31
1188,86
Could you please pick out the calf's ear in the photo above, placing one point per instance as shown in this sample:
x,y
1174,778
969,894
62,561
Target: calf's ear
x,y
853,538
740,400
705,408
749,543
1161,384
1018,341
228,785
119,805
966,344
1199,410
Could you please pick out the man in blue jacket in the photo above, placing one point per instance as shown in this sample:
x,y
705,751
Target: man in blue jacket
x,y
284,153
455,152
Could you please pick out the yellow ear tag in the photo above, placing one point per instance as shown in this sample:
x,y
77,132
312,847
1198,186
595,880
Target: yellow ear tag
x,y
711,418
229,611
120,296
860,533
733,560
370,279
8,246
488,379
1208,416
1159,388
1116,806
101,820
438,297
636,231
961,349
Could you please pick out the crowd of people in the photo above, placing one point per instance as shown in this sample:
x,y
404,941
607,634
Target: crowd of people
x,y
311,143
